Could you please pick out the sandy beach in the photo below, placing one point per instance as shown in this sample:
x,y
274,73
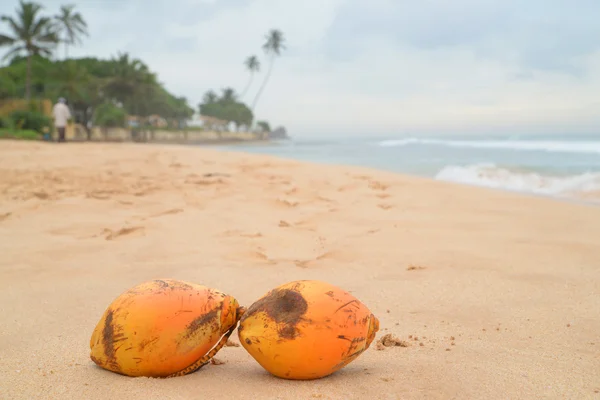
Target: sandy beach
x,y
497,295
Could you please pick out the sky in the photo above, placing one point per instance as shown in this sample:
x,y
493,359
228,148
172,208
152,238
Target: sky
x,y
371,67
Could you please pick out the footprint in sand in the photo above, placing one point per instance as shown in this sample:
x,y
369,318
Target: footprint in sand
x,y
100,194
112,235
310,263
377,185
206,182
286,202
258,256
5,216
325,199
41,195
237,233
168,212
385,206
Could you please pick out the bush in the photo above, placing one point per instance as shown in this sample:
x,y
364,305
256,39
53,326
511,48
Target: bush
x,y
110,116
22,134
5,123
30,120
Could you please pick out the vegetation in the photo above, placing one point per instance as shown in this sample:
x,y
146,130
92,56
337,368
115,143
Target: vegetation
x,y
252,65
70,27
30,120
272,47
263,126
104,91
22,134
32,34
226,108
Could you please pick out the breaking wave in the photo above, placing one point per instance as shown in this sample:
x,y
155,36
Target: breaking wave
x,y
490,175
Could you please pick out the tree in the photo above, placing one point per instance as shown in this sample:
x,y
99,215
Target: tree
x,y
229,96
226,108
210,97
252,65
71,25
263,126
130,83
32,34
71,80
272,47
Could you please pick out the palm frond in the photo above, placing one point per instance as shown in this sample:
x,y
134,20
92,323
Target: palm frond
x,y
17,31
13,52
6,40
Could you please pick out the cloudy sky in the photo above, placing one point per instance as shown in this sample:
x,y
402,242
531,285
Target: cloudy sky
x,y
377,67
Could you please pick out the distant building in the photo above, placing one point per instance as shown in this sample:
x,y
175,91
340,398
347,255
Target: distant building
x,y
157,121
210,123
132,121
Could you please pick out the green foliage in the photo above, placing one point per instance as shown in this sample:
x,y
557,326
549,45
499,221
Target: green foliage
x,y
264,126
31,120
92,86
89,82
8,89
6,123
108,115
273,48
19,134
70,26
226,108
31,34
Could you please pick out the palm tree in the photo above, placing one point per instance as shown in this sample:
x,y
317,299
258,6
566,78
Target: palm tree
x,y
72,80
229,96
72,25
128,77
253,65
210,97
32,34
272,47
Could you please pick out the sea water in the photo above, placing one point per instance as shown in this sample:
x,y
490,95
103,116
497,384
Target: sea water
x,y
561,166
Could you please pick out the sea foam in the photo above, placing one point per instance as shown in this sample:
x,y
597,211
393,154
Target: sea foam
x,y
490,175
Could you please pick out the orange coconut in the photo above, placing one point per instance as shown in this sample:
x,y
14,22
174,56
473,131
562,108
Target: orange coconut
x,y
306,330
163,328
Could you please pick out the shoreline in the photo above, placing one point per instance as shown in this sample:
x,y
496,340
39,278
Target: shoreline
x,y
240,143
492,293
580,198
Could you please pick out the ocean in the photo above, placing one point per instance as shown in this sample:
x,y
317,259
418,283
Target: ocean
x,y
557,166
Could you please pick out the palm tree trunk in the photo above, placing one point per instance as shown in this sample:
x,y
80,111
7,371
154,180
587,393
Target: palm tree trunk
x,y
28,78
264,82
248,85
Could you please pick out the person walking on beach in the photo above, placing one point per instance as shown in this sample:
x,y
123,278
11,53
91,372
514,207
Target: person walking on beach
x,y
61,115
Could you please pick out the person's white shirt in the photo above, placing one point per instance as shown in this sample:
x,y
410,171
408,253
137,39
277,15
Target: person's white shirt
x,y
61,115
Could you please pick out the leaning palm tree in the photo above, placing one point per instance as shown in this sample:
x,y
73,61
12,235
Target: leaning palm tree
x,y
32,34
71,26
253,65
273,47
